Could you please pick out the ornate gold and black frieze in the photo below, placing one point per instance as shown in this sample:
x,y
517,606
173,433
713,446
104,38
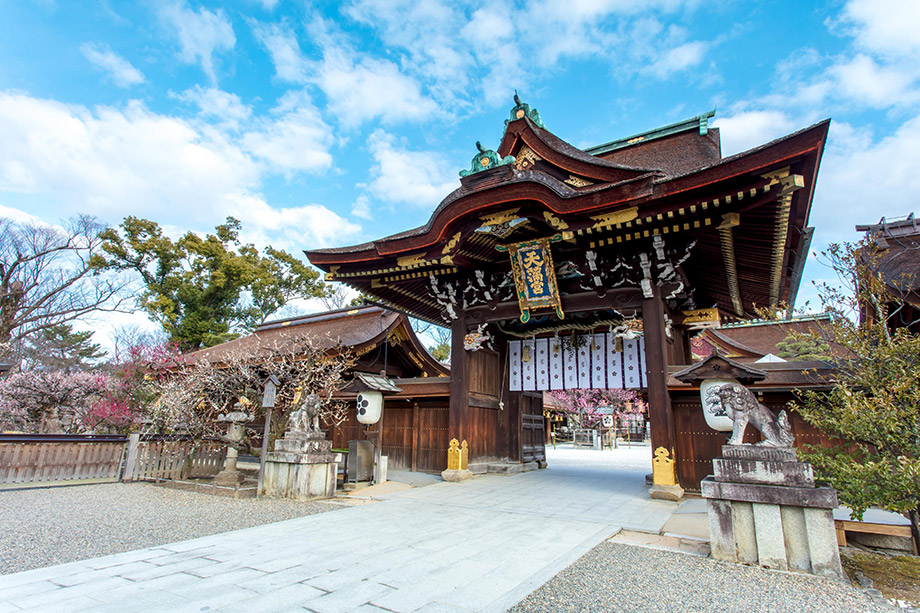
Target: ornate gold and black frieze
x,y
627,224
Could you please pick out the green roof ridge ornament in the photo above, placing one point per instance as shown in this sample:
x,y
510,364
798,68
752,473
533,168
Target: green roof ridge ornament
x,y
486,159
521,110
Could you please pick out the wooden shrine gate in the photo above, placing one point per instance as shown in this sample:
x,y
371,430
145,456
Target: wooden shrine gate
x,y
543,240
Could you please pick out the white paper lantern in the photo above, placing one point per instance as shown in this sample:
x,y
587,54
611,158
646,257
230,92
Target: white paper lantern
x,y
370,405
723,423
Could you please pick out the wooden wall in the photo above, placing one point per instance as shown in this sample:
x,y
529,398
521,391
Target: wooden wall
x,y
533,436
485,372
415,434
487,422
698,444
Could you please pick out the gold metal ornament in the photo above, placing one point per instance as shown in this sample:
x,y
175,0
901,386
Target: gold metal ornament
x,y
664,470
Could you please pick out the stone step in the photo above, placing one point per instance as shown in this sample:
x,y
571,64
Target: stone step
x,y
502,468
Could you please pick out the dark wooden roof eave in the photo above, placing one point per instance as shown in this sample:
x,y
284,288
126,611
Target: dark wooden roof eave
x,y
781,376
556,151
561,202
806,143
413,388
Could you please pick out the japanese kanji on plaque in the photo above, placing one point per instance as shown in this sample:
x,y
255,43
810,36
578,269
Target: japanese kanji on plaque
x,y
535,276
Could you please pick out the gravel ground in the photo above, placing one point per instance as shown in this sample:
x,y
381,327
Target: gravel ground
x,y
615,577
47,526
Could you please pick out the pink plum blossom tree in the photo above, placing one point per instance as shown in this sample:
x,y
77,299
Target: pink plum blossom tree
x,y
585,403
49,402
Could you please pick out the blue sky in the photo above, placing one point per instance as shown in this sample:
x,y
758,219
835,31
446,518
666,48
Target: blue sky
x,y
323,124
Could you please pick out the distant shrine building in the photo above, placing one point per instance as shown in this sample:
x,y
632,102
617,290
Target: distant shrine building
x,y
559,268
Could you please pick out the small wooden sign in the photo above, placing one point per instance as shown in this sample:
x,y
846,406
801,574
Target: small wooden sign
x,y
269,391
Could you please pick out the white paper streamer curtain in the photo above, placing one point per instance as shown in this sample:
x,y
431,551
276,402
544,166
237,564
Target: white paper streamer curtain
x,y
593,362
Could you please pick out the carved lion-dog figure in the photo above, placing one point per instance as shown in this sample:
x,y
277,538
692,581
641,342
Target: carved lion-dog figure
x,y
738,403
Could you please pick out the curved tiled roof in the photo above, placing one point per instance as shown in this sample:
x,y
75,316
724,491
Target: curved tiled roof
x,y
352,328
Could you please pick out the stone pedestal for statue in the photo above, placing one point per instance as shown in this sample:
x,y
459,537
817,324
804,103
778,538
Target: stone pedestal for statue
x,y
301,467
765,509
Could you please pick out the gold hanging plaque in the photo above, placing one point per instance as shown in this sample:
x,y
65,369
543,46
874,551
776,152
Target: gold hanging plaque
x,y
534,275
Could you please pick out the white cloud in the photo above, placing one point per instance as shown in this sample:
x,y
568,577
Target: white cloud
x,y
862,180
183,174
214,103
419,178
362,207
358,87
878,70
109,161
592,10
748,129
426,31
201,34
281,44
362,88
365,89
491,34
489,24
120,70
292,228
503,45
297,138
18,216
888,27
677,59
865,81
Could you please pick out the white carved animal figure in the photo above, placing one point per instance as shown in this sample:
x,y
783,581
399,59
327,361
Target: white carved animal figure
x,y
743,408
306,417
311,406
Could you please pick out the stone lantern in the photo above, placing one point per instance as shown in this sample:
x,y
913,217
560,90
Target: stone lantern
x,y
236,431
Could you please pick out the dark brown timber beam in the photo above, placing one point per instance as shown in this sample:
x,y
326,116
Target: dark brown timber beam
x,y
620,299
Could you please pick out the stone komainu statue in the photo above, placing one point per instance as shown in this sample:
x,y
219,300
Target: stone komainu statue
x,y
738,403
306,417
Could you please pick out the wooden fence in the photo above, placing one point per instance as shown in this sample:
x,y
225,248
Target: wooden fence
x,y
154,458
38,458
59,457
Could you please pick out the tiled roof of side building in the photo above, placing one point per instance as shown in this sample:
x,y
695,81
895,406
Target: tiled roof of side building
x,y
344,327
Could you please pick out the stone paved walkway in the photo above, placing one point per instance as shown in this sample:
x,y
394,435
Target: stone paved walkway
x,y
478,545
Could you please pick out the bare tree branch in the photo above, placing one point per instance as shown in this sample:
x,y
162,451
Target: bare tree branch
x,y
53,275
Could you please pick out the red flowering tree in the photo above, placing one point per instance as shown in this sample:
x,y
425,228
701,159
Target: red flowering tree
x,y
584,403
111,414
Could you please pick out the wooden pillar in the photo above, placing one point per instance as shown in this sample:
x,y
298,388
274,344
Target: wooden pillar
x,y
416,436
459,381
661,418
679,350
515,426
